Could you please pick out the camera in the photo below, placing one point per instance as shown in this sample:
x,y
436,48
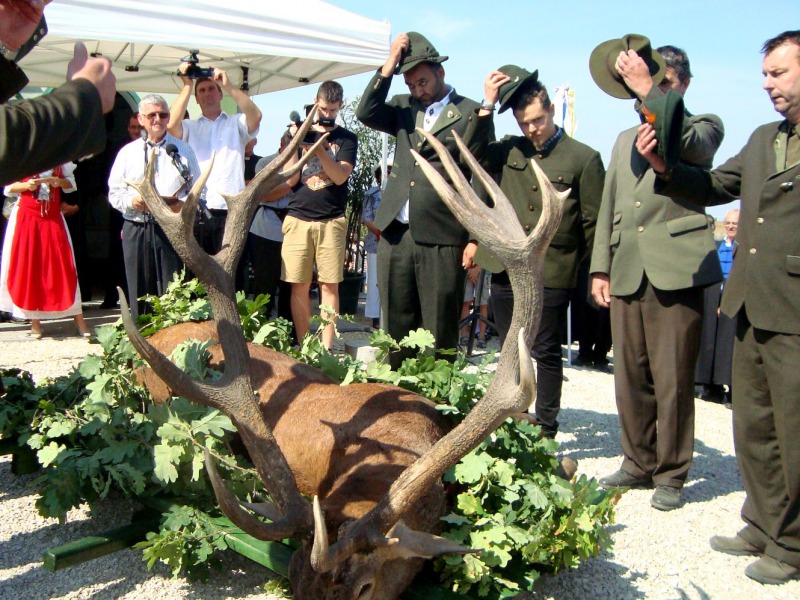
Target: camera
x,y
194,71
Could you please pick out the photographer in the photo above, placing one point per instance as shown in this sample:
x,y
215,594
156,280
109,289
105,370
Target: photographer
x,y
314,229
214,131
150,260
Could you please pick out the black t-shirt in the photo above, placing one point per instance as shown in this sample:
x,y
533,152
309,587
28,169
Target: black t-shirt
x,y
316,197
250,163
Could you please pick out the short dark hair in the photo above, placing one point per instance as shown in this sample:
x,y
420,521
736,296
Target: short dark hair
x,y
330,91
676,59
202,79
787,37
528,92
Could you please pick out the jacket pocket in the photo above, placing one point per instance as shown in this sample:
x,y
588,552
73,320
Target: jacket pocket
x,y
613,240
564,240
561,180
793,265
687,223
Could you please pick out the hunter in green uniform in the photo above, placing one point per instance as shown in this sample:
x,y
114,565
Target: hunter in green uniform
x,y
568,164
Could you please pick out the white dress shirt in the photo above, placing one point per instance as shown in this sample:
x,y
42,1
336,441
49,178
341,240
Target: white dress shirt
x,y
227,135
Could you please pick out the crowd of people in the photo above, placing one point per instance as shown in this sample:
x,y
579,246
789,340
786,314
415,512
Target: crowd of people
x,y
634,241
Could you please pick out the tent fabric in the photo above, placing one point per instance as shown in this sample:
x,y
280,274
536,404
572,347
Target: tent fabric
x,y
282,44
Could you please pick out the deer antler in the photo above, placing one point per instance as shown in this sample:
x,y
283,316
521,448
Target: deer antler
x,y
233,392
498,228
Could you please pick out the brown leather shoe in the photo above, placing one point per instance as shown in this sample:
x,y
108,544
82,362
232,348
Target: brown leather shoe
x,y
771,571
735,545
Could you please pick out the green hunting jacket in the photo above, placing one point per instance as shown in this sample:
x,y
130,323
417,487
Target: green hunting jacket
x,y
430,221
640,232
569,164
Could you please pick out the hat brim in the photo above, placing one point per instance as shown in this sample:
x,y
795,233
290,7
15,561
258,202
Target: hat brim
x,y
505,103
603,70
407,66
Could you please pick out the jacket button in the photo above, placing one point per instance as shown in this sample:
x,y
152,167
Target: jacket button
x,y
515,163
760,220
412,184
535,188
560,180
419,144
752,250
416,164
640,229
637,204
530,206
540,156
527,227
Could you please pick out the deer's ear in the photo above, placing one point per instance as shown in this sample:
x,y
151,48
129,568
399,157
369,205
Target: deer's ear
x,y
419,544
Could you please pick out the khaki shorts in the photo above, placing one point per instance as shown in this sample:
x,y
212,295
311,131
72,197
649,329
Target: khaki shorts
x,y
308,242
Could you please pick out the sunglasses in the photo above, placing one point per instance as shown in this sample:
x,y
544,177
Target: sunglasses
x,y
151,116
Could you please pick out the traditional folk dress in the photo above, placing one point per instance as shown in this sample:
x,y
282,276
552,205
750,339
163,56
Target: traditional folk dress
x,y
38,277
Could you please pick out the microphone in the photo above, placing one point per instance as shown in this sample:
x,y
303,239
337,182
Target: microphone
x,y
172,152
294,117
143,135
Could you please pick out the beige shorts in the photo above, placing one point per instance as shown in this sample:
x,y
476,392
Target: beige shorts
x,y
306,243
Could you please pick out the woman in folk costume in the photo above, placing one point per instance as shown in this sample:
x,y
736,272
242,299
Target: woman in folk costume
x,y
38,278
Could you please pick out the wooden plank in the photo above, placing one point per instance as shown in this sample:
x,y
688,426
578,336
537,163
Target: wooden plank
x,y
94,546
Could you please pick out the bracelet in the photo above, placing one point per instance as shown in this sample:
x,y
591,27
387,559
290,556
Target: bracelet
x,y
486,105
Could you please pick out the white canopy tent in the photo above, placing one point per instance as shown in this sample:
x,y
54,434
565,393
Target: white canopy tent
x,y
273,45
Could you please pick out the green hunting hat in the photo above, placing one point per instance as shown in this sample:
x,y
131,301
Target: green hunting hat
x,y
519,77
604,57
419,50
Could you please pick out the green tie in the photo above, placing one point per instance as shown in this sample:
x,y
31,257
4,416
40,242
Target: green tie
x,y
793,147
787,147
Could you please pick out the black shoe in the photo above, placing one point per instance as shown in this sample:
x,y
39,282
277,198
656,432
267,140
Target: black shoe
x,y
623,479
666,497
106,304
735,545
582,361
376,323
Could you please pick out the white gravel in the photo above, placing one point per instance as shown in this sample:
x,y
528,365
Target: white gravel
x,y
656,555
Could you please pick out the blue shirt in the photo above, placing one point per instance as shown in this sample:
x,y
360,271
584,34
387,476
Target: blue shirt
x,y
725,253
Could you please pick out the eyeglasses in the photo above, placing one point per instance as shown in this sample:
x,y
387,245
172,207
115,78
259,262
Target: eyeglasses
x,y
151,116
731,224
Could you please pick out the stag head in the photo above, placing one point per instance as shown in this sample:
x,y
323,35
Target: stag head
x,y
376,555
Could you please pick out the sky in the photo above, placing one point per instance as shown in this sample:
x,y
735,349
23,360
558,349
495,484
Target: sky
x,y
722,38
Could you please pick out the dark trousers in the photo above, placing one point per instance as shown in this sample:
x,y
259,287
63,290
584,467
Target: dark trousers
x,y
766,421
264,257
115,275
419,285
546,348
656,338
209,229
149,258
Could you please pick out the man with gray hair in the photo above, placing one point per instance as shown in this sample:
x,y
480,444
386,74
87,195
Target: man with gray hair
x,y
150,260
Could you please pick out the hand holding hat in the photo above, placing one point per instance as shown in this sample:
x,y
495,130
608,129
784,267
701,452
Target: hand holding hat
x,y
518,80
418,50
617,64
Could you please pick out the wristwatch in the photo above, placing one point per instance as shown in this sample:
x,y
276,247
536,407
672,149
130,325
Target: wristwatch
x,y
486,105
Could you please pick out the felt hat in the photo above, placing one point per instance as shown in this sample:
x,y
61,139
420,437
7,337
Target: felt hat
x,y
419,50
519,77
604,57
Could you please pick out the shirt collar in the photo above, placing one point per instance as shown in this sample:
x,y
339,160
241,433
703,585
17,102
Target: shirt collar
x,y
436,107
548,145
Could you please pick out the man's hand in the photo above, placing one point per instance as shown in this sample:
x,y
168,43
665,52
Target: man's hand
x,y
98,71
635,72
69,209
18,20
646,143
492,84
138,204
472,274
601,289
221,77
468,255
399,45
176,206
182,74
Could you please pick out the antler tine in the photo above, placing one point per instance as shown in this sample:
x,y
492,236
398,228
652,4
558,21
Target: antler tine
x,y
242,206
232,508
506,395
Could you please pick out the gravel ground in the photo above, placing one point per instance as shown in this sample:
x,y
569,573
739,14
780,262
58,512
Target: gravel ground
x,y
655,555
